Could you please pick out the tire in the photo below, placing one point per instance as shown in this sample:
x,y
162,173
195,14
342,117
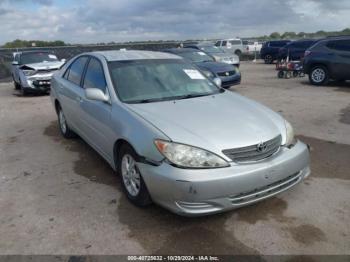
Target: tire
x,y
319,75
16,85
280,74
63,125
288,75
295,73
238,53
23,91
132,181
268,59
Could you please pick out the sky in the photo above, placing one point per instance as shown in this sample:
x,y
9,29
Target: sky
x,y
95,21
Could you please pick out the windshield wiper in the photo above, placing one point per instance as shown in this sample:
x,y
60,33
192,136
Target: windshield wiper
x,y
191,96
144,101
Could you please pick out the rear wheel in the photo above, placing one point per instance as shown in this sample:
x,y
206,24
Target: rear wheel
x,y
280,74
132,182
319,75
268,59
63,125
238,53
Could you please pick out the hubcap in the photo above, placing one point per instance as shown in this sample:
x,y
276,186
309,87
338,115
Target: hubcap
x,y
63,124
267,58
131,175
318,75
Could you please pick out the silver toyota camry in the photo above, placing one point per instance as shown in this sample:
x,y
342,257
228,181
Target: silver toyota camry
x,y
175,137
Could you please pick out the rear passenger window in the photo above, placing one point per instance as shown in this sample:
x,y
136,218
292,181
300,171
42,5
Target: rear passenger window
x,y
340,45
76,70
94,77
224,43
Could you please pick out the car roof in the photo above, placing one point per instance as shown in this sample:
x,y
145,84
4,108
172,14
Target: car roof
x,y
124,55
181,50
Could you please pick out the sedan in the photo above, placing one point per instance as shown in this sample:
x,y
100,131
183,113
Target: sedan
x,y
174,136
217,53
229,74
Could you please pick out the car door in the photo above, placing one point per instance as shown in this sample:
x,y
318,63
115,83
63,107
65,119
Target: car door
x,y
96,115
71,93
341,61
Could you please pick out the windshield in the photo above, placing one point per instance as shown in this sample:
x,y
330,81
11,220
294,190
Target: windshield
x,y
144,81
196,56
39,57
211,49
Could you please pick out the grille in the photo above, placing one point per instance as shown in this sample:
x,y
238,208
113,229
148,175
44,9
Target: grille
x,y
228,73
255,152
266,191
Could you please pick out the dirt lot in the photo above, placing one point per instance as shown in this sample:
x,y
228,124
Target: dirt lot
x,y
59,197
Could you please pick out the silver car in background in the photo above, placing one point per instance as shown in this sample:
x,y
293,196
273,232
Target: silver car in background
x,y
32,71
217,53
175,137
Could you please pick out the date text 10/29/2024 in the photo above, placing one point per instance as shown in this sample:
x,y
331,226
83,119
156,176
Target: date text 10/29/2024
x,y
173,258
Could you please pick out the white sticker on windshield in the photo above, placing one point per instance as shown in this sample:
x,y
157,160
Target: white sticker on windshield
x,y
53,56
201,53
194,74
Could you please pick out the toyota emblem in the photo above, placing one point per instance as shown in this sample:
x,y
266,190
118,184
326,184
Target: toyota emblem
x,y
261,147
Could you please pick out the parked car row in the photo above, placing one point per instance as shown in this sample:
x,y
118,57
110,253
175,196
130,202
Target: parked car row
x,y
322,59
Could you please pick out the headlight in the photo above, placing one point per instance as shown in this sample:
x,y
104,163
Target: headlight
x,y
189,156
29,72
208,74
290,139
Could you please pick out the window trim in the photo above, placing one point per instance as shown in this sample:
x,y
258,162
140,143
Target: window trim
x,y
85,70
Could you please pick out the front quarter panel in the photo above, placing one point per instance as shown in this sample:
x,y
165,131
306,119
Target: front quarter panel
x,y
138,132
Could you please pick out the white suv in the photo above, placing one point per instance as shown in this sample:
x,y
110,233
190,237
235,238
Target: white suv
x,y
234,45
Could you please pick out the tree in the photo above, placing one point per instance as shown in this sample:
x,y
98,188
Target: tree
x,y
275,35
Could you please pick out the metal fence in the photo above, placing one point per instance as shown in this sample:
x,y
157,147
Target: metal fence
x,y
67,52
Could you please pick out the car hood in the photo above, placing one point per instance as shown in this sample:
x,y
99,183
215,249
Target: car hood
x,y
44,65
215,123
216,67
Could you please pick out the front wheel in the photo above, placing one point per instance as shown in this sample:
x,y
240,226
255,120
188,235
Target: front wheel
x,y
238,53
132,182
319,75
16,85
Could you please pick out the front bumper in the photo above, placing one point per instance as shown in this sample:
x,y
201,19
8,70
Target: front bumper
x,y
205,191
37,83
229,81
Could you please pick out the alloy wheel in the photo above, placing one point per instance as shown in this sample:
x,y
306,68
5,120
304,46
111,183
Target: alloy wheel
x,y
63,123
131,175
318,75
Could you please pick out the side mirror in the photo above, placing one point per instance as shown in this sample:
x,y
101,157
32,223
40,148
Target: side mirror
x,y
217,81
15,63
63,60
96,94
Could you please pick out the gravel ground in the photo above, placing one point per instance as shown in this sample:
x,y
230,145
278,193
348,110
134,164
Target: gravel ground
x,y
59,197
